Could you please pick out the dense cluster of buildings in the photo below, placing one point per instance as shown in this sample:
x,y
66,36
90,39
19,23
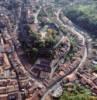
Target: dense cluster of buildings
x,y
9,88
22,80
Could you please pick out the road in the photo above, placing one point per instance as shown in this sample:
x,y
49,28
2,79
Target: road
x,y
72,30
80,36
36,15
59,42
13,40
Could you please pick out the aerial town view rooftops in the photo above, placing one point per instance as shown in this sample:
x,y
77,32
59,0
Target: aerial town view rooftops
x,y
48,50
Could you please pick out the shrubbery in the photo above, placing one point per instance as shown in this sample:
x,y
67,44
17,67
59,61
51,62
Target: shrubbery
x,y
77,92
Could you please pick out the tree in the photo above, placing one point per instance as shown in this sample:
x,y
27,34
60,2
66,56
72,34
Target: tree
x,y
85,16
78,93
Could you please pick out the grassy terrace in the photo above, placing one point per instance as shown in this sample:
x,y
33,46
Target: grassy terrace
x,y
85,16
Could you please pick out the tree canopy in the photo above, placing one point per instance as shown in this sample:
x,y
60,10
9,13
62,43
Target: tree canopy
x,y
77,92
84,16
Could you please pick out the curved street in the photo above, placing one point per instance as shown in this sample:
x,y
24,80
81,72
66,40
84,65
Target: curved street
x,y
82,61
36,15
46,46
